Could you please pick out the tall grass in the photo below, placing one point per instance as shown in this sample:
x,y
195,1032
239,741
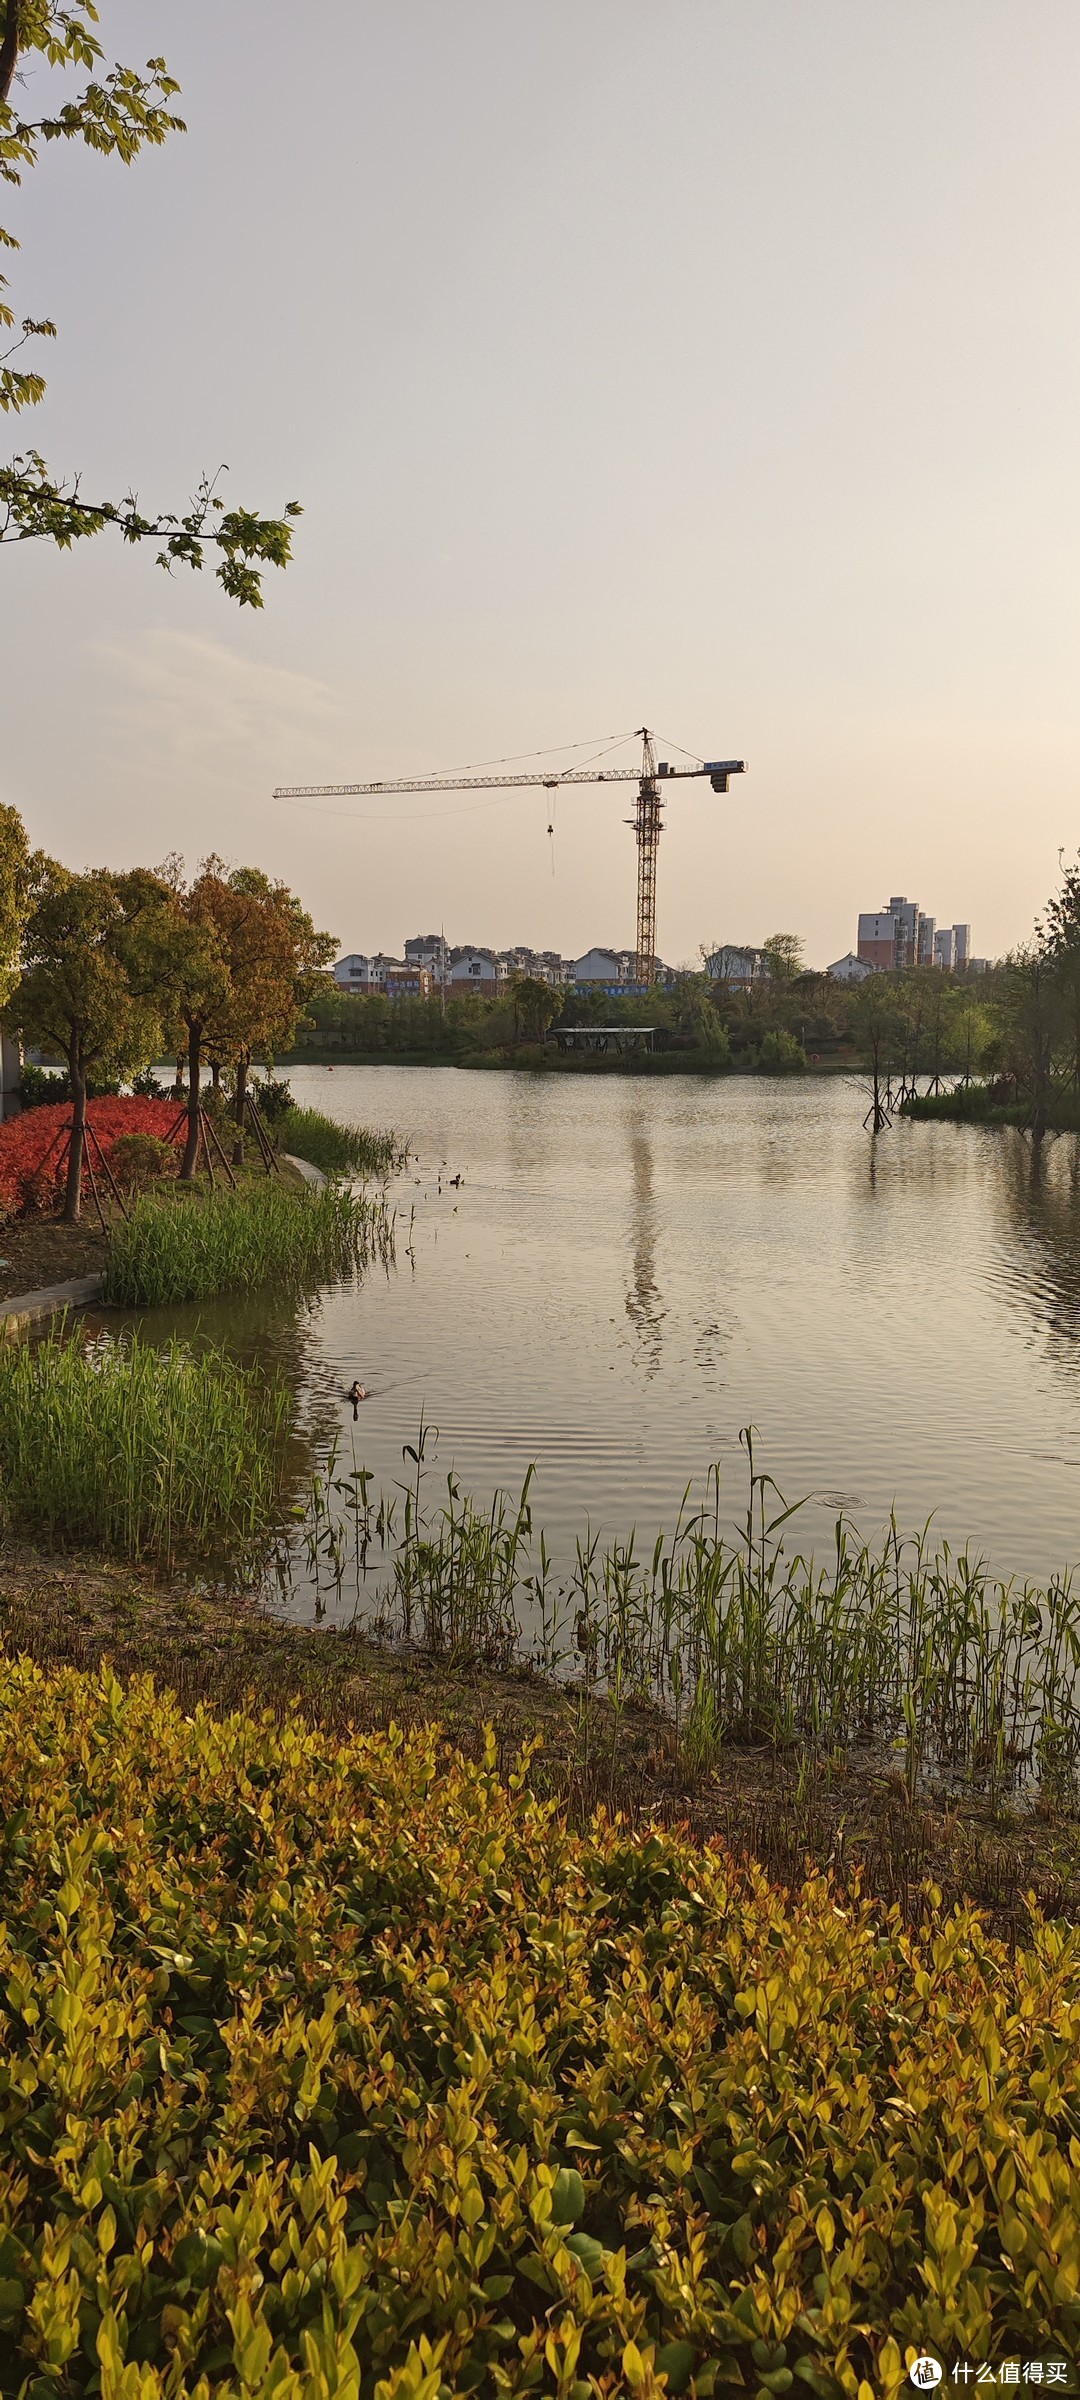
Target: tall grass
x,y
339,1149
138,1450
918,1654
184,1248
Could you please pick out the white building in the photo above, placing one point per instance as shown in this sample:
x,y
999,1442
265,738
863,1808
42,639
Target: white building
x,y
476,970
394,978
604,967
851,968
737,964
430,950
945,947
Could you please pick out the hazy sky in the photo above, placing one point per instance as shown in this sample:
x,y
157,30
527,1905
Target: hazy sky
x,y
714,364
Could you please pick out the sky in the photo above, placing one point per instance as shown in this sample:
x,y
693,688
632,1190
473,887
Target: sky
x,y
713,365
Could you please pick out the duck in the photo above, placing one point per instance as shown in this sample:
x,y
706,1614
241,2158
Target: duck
x,y
356,1393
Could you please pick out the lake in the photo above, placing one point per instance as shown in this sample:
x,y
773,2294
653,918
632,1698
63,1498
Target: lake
x,y
632,1270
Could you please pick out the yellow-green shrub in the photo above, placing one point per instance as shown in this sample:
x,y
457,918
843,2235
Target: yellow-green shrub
x,y
330,2067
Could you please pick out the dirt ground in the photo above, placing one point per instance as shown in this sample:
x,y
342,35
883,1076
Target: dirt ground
x,y
787,1809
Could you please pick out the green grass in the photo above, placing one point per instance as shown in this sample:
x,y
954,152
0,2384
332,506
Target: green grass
x,y
972,1104
339,1149
136,1450
180,1249
916,1654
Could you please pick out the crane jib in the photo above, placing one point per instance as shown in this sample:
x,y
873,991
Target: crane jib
x,y
647,821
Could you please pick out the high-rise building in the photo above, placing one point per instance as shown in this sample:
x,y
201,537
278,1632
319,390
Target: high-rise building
x,y
907,915
945,947
962,936
877,940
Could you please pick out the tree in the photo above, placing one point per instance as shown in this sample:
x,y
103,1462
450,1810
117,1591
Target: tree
x,y
117,113
17,872
1062,931
195,985
88,985
784,955
534,1004
274,956
876,1025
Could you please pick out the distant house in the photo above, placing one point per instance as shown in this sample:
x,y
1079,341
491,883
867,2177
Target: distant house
x,y
604,967
851,968
737,964
477,971
394,978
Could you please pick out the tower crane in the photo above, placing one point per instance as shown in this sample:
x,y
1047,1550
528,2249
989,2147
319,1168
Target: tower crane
x,y
647,820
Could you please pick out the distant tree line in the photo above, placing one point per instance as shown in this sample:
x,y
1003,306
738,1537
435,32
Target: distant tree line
x,y
785,1018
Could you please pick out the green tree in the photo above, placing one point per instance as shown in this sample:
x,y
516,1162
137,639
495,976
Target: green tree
x,y
17,873
1062,932
877,1024
273,954
534,1004
195,986
118,112
89,986
783,953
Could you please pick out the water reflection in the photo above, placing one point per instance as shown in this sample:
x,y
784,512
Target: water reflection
x,y
644,1305
1039,1264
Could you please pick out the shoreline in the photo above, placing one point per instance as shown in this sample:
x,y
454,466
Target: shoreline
x,y
786,1809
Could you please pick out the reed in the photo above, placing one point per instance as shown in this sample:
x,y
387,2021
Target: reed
x,y
186,1248
340,1149
914,1653
138,1450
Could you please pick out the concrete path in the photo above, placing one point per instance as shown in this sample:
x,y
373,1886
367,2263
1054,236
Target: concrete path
x,y
23,1307
312,1175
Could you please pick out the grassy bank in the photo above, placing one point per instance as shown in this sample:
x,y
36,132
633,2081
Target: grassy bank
x,y
786,1808
174,1249
335,2065
917,1655
137,1450
981,1104
339,1149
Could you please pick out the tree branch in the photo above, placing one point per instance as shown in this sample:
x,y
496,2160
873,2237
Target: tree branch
x,y
9,49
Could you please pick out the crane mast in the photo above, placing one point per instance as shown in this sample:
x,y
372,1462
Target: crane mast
x,y
647,820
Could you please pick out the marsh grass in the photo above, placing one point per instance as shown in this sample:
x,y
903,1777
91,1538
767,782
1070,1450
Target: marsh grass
x,y
339,1149
170,1251
897,1648
137,1450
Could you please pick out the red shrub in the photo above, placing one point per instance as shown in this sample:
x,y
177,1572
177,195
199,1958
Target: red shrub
x,y
33,1153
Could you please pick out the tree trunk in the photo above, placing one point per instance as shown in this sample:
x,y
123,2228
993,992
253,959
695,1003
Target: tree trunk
x,y
191,1146
240,1110
215,1076
73,1191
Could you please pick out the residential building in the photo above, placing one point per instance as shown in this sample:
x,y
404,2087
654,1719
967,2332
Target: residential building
x,y
850,969
738,964
877,939
901,936
394,978
604,967
476,970
945,947
430,950
907,917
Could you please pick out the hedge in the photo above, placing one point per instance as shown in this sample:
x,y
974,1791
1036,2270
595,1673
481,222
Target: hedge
x,y
335,2067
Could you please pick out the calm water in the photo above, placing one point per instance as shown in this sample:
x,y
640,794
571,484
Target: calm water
x,y
631,1271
